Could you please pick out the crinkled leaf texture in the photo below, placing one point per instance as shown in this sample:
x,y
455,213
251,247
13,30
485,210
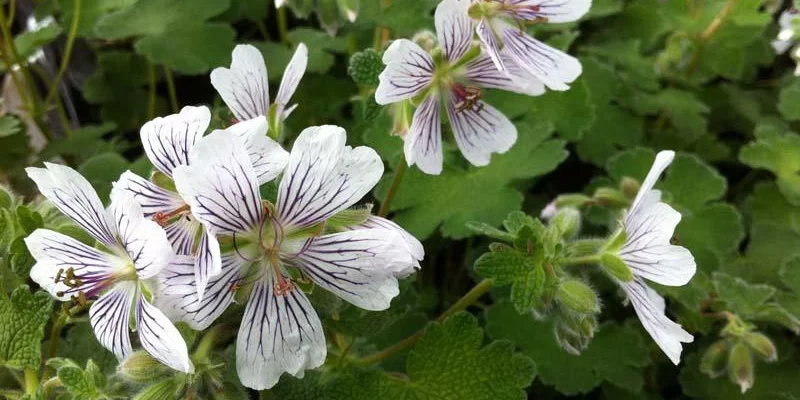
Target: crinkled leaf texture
x,y
22,321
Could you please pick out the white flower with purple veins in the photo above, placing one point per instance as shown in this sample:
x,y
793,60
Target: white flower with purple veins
x,y
168,142
280,331
649,225
501,25
244,87
454,78
121,276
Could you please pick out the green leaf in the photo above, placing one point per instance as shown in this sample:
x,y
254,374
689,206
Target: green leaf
x,y
22,321
82,143
320,48
617,354
448,362
571,112
29,42
103,169
174,32
789,101
457,196
117,86
780,155
743,298
90,13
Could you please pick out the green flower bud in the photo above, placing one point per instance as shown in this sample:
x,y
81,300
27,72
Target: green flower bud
x,y
615,267
568,222
164,390
611,197
629,187
577,296
740,366
761,345
616,241
574,333
572,200
364,67
140,367
715,359
427,40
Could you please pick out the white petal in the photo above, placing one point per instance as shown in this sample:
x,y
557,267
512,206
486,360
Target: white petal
x,y
291,78
413,245
144,240
359,266
423,144
244,87
781,46
324,177
208,263
221,187
483,72
55,253
151,197
647,249
279,3
409,70
160,338
74,196
267,156
109,316
649,307
481,131
168,140
662,161
551,66
181,234
178,295
489,40
454,28
279,333
555,11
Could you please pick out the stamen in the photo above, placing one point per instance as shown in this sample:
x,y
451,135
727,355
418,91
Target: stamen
x,y
163,218
284,286
468,98
236,248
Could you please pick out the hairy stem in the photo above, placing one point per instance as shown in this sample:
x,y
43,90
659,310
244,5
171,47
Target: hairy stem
x,y
73,32
173,96
465,301
581,260
398,177
31,381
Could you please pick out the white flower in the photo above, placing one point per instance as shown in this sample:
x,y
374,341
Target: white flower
x,y
649,225
138,249
500,29
479,128
786,35
244,86
280,331
168,141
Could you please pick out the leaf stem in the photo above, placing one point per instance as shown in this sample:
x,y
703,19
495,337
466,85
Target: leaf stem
x,y
581,260
173,96
73,32
151,95
283,26
31,381
710,30
398,177
465,301
55,335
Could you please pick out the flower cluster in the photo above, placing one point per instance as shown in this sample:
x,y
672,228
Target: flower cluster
x,y
454,72
198,235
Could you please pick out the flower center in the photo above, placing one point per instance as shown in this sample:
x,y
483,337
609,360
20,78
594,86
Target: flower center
x,y
163,219
467,97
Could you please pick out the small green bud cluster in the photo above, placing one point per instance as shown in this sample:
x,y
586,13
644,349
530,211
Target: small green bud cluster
x,y
735,354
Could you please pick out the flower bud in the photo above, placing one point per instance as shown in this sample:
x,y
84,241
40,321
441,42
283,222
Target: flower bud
x,y
574,333
615,267
549,211
740,366
576,200
365,67
611,197
715,359
140,367
761,345
577,296
629,187
166,389
568,222
425,39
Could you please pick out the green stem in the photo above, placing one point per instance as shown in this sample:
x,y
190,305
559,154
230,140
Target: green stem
x,y
398,177
207,343
581,260
151,94
73,32
262,28
55,335
12,12
173,96
465,301
283,26
31,381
